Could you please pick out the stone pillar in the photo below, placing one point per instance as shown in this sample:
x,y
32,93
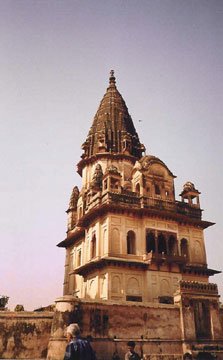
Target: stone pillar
x,y
186,316
199,316
216,327
66,312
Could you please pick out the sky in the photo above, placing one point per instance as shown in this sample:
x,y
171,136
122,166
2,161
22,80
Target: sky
x,y
54,68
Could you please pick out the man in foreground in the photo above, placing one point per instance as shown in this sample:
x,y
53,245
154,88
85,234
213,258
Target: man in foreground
x,y
77,348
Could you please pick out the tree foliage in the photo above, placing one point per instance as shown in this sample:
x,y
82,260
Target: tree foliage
x,y
3,301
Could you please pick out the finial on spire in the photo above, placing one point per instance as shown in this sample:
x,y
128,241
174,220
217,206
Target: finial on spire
x,y
112,78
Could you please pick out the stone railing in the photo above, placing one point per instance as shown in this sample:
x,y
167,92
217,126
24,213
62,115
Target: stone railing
x,y
177,207
132,199
198,287
168,258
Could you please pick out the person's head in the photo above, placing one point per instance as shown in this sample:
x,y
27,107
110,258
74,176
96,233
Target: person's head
x,y
73,331
131,345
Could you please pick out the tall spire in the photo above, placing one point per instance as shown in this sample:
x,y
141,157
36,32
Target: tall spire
x,y
112,130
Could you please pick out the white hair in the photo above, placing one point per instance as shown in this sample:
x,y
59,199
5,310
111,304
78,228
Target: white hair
x,y
73,329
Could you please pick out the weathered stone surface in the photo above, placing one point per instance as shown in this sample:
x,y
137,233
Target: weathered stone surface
x,y
24,335
155,328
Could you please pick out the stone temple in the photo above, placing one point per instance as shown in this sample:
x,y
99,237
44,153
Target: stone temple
x,y
136,266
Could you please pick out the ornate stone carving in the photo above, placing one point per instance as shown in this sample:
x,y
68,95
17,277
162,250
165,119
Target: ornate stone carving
x,y
97,177
112,170
74,198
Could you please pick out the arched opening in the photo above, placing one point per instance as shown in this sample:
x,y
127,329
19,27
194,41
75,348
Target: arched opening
x,y
93,246
133,290
164,287
172,245
157,189
150,242
184,248
162,244
114,184
131,242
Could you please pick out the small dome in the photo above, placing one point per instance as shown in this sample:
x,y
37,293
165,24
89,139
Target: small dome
x,y
189,186
146,161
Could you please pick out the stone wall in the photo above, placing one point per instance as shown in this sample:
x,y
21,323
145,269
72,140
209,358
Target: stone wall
x,y
24,335
155,329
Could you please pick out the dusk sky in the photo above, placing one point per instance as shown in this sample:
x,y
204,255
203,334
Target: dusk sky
x,y
55,59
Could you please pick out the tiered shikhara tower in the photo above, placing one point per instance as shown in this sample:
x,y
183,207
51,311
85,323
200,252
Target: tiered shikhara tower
x,y
128,238
129,241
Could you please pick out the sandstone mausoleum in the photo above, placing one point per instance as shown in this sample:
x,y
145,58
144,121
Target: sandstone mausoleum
x,y
136,265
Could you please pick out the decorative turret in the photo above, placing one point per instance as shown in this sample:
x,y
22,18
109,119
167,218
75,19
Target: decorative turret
x,y
112,179
72,210
189,193
112,130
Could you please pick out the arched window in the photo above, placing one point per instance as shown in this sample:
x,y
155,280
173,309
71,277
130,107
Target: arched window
x,y
172,245
150,242
161,244
133,287
184,248
131,242
114,184
78,257
93,246
164,287
157,189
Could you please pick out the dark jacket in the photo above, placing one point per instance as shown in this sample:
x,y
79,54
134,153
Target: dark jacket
x,y
79,349
132,356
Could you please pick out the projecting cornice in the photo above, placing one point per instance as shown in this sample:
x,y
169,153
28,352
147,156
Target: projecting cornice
x,y
117,208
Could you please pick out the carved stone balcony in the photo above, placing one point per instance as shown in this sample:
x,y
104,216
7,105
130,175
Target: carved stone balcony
x,y
153,257
176,207
128,198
